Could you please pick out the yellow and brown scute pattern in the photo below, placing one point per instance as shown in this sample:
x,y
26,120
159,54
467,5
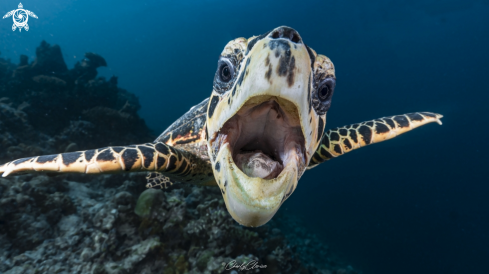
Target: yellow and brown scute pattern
x,y
158,157
341,140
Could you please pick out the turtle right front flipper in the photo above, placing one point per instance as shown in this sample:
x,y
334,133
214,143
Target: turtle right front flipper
x,y
177,164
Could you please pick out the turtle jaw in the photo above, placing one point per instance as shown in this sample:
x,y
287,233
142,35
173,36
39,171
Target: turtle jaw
x,y
261,155
253,201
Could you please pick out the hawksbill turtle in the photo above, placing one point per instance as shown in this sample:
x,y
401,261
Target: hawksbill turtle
x,y
20,17
261,128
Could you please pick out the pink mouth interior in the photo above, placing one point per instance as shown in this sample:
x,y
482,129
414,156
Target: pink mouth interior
x,y
261,138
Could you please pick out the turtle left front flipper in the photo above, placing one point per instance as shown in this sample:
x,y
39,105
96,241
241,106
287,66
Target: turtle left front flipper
x,y
158,157
338,141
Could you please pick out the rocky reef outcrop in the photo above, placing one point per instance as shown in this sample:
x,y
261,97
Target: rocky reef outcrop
x,y
47,108
111,224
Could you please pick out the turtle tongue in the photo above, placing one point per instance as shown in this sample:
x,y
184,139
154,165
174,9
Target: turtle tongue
x,y
257,164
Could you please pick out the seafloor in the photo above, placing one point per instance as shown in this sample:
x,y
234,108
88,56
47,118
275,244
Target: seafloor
x,y
110,223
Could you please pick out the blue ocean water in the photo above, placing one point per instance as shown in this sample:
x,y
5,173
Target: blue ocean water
x,y
415,204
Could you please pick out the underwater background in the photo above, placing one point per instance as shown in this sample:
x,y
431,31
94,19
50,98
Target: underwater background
x,y
414,204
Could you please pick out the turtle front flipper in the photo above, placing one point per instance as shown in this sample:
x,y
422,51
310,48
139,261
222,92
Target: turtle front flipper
x,y
338,141
174,163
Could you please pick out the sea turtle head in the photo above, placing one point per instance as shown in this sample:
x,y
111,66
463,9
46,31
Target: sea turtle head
x,y
265,118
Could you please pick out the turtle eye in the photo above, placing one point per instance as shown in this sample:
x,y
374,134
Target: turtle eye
x,y
225,70
326,89
225,74
323,93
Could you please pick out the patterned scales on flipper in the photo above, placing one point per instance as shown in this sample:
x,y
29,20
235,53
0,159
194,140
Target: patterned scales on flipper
x,y
177,164
158,180
180,154
186,133
338,141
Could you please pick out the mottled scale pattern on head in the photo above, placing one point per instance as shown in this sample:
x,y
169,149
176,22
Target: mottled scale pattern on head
x,y
233,52
276,71
321,69
341,140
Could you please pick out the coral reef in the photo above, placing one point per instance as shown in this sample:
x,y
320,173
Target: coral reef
x,y
47,108
61,225
112,224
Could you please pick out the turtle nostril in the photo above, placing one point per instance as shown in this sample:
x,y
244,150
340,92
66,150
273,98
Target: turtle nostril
x,y
286,33
295,37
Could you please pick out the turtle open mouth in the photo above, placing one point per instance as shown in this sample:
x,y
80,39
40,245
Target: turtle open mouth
x,y
263,136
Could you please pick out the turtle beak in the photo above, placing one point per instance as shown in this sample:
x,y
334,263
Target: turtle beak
x,y
261,156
